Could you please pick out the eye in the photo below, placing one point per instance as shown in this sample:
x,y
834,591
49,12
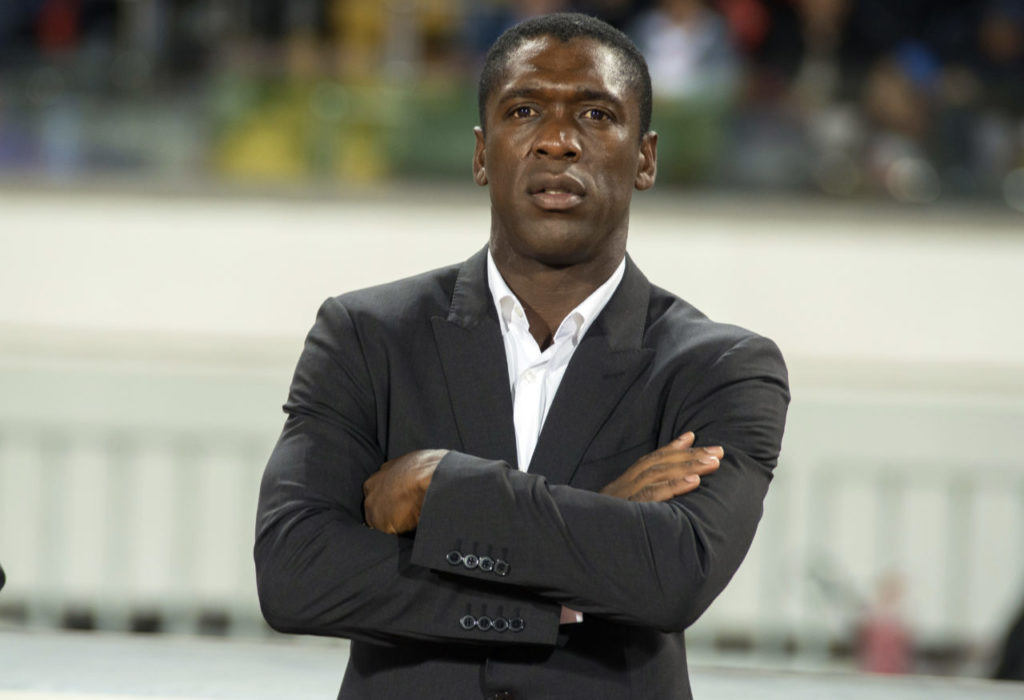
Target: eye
x,y
596,114
522,112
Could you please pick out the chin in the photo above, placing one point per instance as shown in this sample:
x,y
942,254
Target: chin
x,y
562,249
558,242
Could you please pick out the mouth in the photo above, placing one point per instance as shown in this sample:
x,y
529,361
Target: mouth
x,y
559,193
556,200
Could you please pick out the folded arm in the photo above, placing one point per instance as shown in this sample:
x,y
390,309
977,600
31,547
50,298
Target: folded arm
x,y
320,570
655,564
394,494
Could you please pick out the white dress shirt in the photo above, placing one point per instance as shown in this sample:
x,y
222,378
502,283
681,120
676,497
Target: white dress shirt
x,y
534,375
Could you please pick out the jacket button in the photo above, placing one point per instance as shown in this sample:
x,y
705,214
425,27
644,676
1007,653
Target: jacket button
x,y
500,624
470,561
484,623
486,564
516,624
454,557
468,622
501,567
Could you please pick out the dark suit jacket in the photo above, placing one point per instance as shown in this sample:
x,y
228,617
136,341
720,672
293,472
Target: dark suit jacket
x,y
419,363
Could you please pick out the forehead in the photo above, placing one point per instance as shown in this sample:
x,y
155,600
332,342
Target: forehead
x,y
579,64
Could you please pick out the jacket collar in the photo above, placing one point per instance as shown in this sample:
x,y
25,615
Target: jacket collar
x,y
621,322
607,362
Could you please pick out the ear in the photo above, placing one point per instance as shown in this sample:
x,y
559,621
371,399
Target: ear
x,y
479,169
647,167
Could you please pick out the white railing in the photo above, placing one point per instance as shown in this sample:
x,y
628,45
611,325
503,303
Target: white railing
x,y
833,532
117,526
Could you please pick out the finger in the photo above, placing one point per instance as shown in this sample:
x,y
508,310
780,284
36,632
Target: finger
x,y
706,466
679,450
685,476
679,465
369,484
678,487
664,490
688,458
713,450
664,463
684,440
671,451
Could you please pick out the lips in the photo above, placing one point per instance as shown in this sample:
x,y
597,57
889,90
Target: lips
x,y
556,192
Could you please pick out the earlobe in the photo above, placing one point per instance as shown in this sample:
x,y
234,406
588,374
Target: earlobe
x,y
479,162
647,166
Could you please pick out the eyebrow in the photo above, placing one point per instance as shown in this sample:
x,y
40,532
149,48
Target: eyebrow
x,y
580,95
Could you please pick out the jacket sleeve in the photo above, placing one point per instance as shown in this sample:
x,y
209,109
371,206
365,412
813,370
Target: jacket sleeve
x,y
651,564
319,569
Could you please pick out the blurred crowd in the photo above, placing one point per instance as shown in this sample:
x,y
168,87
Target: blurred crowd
x,y
915,100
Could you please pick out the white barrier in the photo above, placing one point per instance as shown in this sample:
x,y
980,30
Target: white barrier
x,y
121,522
117,667
146,347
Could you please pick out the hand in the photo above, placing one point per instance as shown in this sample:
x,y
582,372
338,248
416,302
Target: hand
x,y
568,616
668,472
393,495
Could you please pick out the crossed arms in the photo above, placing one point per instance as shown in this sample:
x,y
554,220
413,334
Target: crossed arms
x,y
650,549
394,494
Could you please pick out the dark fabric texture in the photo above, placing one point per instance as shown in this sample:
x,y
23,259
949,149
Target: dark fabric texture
x,y
419,363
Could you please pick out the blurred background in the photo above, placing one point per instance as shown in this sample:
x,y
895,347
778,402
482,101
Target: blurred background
x,y
915,101
183,182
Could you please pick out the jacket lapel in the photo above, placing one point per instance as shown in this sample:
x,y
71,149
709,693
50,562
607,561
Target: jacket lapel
x,y
607,362
473,357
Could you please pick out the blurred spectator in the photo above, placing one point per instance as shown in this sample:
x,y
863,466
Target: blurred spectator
x,y
1010,666
895,106
884,643
688,49
1000,57
694,74
999,136
790,120
916,99
618,13
486,20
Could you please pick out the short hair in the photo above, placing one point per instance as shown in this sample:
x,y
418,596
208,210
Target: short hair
x,y
565,26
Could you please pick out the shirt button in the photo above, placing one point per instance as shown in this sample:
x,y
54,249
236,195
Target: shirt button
x,y
529,375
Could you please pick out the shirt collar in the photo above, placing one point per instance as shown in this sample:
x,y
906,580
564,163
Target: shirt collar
x,y
576,323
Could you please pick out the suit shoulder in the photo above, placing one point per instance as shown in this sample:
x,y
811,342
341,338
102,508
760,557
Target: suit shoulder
x,y
705,355
674,322
419,296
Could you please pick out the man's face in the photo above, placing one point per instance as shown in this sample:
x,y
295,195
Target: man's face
x,y
562,153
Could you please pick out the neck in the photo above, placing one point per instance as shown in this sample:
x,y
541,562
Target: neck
x,y
548,293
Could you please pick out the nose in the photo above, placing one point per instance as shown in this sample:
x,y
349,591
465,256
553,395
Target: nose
x,y
557,138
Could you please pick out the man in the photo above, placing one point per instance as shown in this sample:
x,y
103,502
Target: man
x,y
524,476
